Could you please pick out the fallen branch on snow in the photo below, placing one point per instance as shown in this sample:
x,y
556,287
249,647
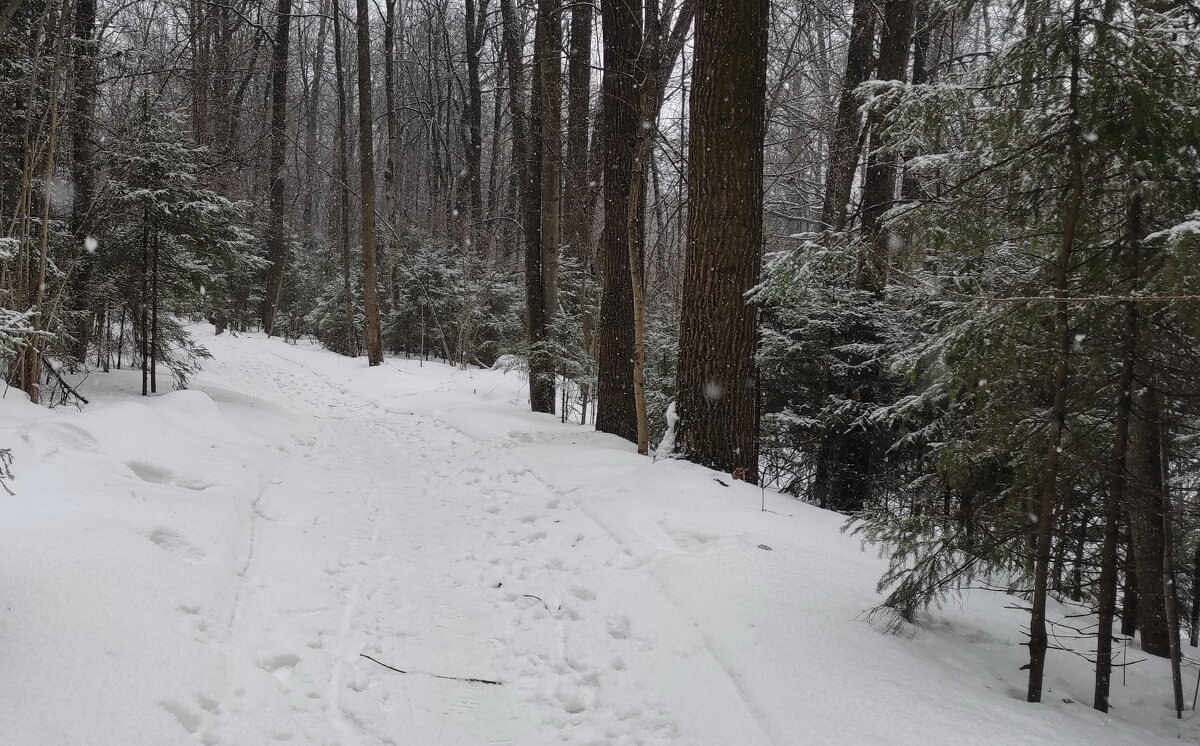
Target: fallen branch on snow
x,y
434,675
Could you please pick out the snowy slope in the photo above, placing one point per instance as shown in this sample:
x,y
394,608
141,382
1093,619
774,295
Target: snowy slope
x,y
210,565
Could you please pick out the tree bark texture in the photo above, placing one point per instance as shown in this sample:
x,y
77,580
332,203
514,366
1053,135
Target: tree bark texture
x,y
717,375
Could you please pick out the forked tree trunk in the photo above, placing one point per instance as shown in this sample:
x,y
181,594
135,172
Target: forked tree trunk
x,y
659,52
843,143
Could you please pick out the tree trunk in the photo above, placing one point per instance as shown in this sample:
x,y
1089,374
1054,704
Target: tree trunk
x,y
1106,602
1146,522
143,302
311,125
576,194
83,151
1169,590
843,142
277,249
1038,640
1129,596
366,172
656,60
1194,626
342,188
154,340
622,33
879,181
717,376
541,368
549,66
392,153
471,202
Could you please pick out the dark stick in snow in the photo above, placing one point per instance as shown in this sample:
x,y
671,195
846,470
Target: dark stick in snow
x,y
434,675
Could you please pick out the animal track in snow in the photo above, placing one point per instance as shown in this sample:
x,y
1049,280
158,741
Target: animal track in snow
x,y
281,666
171,542
158,475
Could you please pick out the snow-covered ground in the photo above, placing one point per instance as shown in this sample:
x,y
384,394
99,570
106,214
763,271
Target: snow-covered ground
x,y
211,565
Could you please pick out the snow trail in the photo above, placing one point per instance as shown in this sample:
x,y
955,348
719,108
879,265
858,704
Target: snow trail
x,y
440,553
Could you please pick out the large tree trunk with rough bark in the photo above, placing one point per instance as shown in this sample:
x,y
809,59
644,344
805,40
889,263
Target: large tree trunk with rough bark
x,y
717,377
622,31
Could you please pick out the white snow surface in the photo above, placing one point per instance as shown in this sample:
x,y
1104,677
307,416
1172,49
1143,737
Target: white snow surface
x,y
209,566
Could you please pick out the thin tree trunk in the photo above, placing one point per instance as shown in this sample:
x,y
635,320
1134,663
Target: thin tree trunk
x,y
541,371
879,181
366,171
1038,640
1117,470
843,146
549,67
311,124
1194,628
656,60
83,111
276,241
471,204
1169,590
143,311
343,177
392,150
154,341
576,226
33,356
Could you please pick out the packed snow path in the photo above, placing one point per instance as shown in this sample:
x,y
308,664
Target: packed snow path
x,y
439,552
211,566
